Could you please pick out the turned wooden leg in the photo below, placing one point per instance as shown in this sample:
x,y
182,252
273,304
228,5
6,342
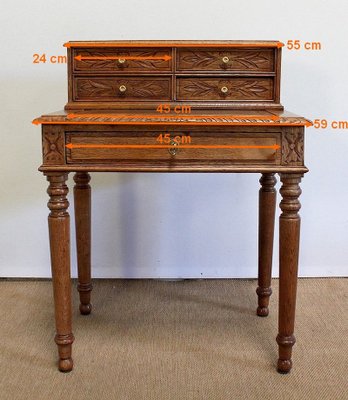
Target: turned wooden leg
x,y
289,235
59,231
82,201
267,203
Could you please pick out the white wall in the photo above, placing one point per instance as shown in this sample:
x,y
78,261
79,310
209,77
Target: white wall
x,y
180,225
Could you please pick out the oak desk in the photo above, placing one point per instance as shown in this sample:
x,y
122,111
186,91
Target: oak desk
x,y
173,107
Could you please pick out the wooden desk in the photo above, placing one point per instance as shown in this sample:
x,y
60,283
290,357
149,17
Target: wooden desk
x,y
225,117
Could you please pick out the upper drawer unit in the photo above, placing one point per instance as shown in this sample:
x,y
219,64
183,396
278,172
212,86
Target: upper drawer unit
x,y
225,59
204,74
122,60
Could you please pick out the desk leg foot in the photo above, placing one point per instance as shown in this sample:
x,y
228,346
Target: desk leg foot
x,y
59,231
82,201
267,204
285,343
289,238
64,342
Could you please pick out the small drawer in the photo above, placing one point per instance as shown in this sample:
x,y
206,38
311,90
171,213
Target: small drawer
x,y
122,88
123,60
252,60
259,89
201,147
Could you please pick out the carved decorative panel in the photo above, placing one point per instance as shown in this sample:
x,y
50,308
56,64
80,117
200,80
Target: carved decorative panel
x,y
249,60
53,145
225,89
293,146
114,65
123,88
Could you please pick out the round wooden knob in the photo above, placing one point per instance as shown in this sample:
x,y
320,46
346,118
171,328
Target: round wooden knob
x,y
224,89
225,60
122,88
121,60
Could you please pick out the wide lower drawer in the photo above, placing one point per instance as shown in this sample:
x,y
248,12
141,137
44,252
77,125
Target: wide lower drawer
x,y
173,147
224,59
123,88
257,89
120,60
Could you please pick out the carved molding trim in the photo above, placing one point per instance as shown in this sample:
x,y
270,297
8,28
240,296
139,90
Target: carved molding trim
x,y
175,119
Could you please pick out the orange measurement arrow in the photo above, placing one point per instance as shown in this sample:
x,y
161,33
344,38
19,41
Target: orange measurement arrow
x,y
165,58
175,44
163,146
160,116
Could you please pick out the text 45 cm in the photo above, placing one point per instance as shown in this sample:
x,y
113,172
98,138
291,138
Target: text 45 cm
x,y
166,138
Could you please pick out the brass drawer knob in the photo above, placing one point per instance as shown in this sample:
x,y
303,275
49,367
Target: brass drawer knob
x,y
121,60
225,60
224,89
173,151
122,88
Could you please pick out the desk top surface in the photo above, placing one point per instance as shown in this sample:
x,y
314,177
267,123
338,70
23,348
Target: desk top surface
x,y
196,117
